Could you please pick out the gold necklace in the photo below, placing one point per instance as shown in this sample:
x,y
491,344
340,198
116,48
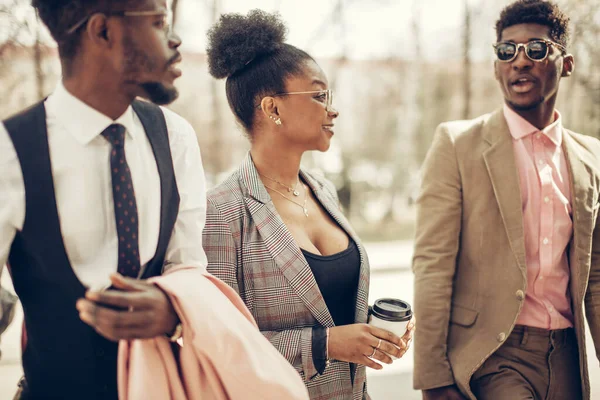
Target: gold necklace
x,y
303,206
290,189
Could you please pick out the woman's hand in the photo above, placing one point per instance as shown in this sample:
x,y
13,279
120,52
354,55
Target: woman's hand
x,y
408,336
362,344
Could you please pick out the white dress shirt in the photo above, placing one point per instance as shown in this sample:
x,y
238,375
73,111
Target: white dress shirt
x,y
82,180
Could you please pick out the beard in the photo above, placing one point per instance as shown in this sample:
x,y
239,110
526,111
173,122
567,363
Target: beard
x,y
138,63
159,93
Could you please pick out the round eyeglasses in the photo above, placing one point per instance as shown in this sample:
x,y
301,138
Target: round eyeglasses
x,y
322,96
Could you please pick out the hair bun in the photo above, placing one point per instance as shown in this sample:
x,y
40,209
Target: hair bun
x,y
236,40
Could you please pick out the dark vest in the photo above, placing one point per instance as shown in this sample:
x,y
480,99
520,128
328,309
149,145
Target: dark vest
x,y
65,358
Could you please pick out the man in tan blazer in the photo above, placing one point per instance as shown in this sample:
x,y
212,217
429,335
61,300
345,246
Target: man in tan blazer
x,y
508,236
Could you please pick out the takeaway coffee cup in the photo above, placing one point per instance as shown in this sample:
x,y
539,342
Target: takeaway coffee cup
x,y
390,314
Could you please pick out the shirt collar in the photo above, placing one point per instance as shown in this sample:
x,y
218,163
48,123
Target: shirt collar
x,y
519,127
81,120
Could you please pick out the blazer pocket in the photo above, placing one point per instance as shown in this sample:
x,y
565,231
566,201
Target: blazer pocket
x,y
463,316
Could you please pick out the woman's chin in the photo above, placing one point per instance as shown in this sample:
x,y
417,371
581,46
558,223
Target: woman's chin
x,y
324,145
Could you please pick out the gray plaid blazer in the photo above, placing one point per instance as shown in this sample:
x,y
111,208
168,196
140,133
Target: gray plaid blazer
x,y
249,247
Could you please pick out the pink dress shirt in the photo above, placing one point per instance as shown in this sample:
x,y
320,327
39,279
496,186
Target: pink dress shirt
x,y
548,226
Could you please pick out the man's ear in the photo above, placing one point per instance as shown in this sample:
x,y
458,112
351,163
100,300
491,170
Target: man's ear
x,y
568,65
98,31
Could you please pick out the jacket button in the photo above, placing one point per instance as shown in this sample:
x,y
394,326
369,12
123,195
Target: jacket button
x,y
501,336
520,295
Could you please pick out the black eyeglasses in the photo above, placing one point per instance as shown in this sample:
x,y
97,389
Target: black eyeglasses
x,y
536,50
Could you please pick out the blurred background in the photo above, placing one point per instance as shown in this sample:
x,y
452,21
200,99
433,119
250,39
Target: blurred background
x,y
398,69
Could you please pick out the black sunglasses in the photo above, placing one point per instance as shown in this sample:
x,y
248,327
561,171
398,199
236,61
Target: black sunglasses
x,y
535,50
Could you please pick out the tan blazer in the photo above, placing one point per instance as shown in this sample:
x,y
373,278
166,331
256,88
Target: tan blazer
x,y
469,260
249,247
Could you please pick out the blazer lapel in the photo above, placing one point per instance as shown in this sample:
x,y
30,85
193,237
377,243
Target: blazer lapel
x,y
583,199
362,293
280,243
502,168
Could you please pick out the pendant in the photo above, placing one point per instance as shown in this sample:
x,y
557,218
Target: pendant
x,y
296,193
305,211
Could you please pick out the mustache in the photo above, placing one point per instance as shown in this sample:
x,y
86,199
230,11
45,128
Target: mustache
x,y
176,58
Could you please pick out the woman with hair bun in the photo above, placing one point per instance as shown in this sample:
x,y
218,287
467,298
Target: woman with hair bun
x,y
274,231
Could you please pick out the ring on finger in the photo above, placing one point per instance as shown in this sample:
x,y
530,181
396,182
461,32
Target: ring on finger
x,y
374,351
378,345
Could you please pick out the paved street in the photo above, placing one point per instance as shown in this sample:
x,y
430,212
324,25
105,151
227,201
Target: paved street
x,y
390,278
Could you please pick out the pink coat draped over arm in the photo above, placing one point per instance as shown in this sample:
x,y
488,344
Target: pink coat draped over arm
x,y
224,355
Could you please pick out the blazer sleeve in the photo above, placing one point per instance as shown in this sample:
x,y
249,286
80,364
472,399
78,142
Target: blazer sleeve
x,y
220,248
439,215
592,298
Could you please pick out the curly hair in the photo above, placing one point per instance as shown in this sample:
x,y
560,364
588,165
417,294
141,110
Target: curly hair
x,y
60,15
535,12
251,53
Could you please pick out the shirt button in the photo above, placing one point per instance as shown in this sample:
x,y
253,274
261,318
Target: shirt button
x,y
550,308
546,199
501,337
545,241
541,278
538,135
520,295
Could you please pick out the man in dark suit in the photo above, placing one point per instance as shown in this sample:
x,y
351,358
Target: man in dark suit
x,y
99,191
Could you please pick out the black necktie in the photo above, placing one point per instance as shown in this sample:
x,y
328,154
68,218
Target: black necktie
x,y
126,215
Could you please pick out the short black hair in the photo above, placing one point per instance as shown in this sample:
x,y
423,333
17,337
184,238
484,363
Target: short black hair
x,y
251,53
61,15
535,12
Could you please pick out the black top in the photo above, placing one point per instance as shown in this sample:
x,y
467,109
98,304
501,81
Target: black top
x,y
65,358
337,276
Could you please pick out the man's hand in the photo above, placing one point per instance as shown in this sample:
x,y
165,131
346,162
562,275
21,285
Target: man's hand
x,y
144,311
443,393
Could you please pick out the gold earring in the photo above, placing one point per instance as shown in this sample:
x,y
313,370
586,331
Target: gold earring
x,y
277,121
